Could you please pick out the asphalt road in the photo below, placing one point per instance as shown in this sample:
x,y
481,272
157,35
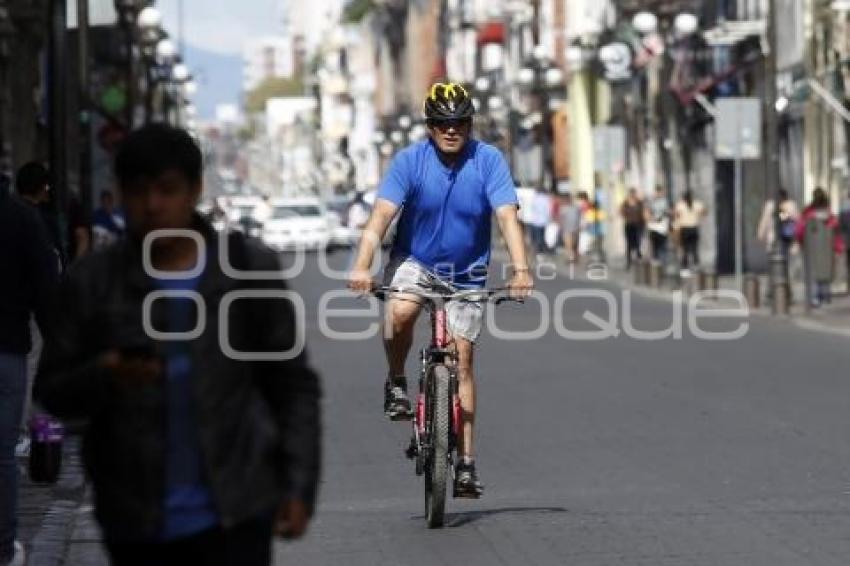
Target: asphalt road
x,y
618,451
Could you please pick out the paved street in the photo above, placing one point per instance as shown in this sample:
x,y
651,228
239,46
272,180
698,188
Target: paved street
x,y
621,451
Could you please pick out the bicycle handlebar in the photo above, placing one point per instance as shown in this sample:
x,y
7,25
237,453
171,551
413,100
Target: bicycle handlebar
x,y
468,295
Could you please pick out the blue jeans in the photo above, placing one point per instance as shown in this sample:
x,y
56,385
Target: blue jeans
x,y
13,386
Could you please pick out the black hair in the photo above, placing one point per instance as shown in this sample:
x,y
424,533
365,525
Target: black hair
x,y
819,198
689,199
105,193
31,178
154,149
782,195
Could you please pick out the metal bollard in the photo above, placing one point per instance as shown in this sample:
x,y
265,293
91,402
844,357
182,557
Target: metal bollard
x,y
645,266
710,280
752,290
638,273
700,280
780,290
656,274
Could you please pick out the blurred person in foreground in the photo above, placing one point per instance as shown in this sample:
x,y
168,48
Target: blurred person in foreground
x,y
447,189
28,273
195,457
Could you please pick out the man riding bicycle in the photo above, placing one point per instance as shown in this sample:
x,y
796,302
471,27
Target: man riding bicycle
x,y
448,188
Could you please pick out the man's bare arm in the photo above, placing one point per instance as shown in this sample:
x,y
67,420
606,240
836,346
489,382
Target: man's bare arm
x,y
521,281
373,234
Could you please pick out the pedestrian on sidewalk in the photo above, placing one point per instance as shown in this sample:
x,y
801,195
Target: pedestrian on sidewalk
x,y
541,215
818,234
634,217
570,224
197,455
29,274
689,213
79,230
844,227
658,224
32,183
108,223
788,215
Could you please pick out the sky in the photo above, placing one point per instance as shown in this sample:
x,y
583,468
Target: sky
x,y
223,25
214,32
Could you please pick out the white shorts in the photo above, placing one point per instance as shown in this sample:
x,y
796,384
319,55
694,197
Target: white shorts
x,y
463,318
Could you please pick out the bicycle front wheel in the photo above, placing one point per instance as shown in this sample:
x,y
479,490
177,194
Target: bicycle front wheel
x,y
439,409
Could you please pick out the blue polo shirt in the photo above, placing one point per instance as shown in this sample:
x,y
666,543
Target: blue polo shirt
x,y
445,222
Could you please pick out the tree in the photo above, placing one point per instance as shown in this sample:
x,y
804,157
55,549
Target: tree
x,y
356,10
276,87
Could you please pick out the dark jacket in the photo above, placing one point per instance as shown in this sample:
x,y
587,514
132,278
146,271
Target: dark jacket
x,y
28,272
258,420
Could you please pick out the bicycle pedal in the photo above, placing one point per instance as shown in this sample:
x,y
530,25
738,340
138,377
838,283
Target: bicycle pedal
x,y
410,452
467,494
403,415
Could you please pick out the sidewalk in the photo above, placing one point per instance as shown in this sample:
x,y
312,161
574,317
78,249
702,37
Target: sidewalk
x,y
56,523
833,318
47,513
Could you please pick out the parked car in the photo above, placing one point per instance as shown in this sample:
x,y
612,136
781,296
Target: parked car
x,y
297,223
342,235
242,214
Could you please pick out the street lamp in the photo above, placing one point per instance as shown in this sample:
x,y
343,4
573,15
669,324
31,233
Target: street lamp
x,y
128,13
190,87
166,51
149,22
180,73
686,24
541,76
150,35
645,22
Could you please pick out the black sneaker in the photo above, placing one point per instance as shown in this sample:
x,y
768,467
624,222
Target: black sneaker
x,y
396,403
466,483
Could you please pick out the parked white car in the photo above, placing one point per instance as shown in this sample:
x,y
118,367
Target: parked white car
x,y
297,223
342,235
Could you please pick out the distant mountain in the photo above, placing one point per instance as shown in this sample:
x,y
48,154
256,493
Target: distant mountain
x,y
219,78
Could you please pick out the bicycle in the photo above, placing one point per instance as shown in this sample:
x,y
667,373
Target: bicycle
x,y
437,419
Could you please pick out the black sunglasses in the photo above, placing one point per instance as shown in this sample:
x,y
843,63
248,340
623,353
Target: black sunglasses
x,y
446,124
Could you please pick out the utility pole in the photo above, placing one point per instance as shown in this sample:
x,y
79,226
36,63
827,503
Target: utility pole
x,y
85,171
778,270
57,120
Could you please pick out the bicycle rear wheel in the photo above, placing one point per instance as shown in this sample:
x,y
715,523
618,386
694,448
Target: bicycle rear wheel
x,y
439,408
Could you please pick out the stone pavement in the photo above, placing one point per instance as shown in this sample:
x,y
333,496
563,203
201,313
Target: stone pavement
x,y
47,513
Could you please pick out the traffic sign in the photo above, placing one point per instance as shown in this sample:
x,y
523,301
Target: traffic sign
x,y
738,123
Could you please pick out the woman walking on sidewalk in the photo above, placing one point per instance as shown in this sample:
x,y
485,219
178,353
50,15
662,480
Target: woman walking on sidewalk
x,y
817,232
658,223
632,212
689,214
788,216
